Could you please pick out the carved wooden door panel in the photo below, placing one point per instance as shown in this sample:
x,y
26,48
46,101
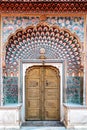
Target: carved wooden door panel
x,y
33,94
51,94
42,93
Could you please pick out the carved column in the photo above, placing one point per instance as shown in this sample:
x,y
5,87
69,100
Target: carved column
x,y
84,61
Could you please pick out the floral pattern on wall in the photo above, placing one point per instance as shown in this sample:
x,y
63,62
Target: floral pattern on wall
x,y
11,24
74,24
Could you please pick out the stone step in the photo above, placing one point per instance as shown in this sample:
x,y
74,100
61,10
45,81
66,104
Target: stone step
x,y
43,123
43,128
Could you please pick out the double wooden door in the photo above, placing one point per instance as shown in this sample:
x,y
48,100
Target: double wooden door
x,y
42,93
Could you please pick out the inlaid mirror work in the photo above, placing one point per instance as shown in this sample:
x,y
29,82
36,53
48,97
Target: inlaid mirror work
x,y
61,37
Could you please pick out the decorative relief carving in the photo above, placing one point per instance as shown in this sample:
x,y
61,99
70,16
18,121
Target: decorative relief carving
x,y
43,0
43,7
33,84
62,44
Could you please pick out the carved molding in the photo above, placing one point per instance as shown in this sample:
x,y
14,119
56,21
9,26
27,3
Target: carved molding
x,y
27,7
44,0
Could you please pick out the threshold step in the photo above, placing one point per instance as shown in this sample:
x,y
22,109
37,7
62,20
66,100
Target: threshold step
x,y
43,123
43,128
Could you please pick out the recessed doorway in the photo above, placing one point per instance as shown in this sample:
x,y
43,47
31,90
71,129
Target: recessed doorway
x,y
42,93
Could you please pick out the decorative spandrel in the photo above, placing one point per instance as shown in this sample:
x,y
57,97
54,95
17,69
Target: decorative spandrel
x,y
74,90
74,24
10,90
11,24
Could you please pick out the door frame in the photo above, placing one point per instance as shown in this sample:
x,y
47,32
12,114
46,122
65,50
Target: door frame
x,y
24,64
49,68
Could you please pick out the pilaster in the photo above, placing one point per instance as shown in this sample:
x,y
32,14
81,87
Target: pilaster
x,y
1,79
86,59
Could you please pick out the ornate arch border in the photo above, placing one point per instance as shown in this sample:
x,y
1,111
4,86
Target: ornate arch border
x,y
61,42
39,24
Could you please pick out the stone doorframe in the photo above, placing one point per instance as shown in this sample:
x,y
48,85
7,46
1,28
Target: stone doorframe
x,y
24,64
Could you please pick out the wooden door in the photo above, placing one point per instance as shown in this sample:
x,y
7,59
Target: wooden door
x,y
42,93
52,94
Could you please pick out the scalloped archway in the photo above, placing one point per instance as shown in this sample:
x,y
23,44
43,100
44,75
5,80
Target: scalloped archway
x,y
58,44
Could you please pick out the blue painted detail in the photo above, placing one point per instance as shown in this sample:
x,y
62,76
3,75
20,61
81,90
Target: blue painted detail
x,y
74,24
74,90
11,24
10,90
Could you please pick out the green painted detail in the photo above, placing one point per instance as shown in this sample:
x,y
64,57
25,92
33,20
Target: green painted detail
x,y
74,90
10,90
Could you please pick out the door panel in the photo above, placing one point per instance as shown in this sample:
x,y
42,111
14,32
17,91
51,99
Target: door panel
x,y
42,93
33,94
33,114
51,103
51,114
50,82
52,94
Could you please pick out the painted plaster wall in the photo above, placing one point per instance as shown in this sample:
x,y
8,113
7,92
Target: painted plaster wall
x,y
75,116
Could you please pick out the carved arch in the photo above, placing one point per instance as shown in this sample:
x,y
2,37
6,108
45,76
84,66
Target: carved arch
x,y
58,44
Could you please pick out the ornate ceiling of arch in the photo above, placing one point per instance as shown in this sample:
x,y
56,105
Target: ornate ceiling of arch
x,y
58,43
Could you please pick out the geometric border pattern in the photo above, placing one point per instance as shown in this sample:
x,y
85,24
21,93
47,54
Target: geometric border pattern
x,y
44,0
22,7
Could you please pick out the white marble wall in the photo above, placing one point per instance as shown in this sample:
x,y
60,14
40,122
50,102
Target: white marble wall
x,y
10,116
75,116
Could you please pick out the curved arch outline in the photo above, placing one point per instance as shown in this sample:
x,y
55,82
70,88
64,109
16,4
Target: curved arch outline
x,y
45,24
